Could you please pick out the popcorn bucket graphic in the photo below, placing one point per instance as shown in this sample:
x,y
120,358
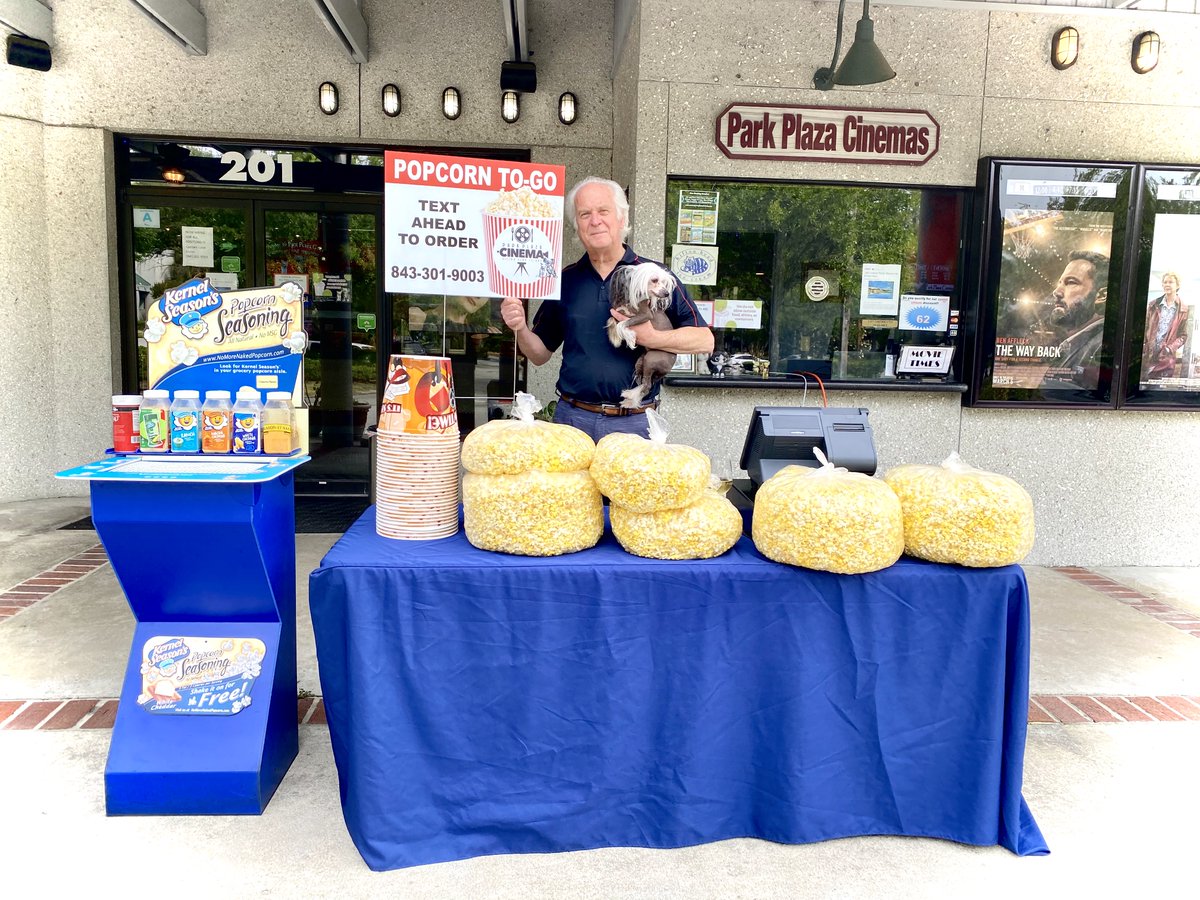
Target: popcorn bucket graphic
x,y
418,397
522,254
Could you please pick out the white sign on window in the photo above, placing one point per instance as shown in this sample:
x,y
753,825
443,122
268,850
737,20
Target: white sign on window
x,y
695,265
197,246
880,290
145,218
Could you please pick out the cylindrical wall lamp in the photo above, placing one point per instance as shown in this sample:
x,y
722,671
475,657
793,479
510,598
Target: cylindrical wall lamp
x,y
1144,56
510,106
390,98
451,103
568,108
1064,48
327,98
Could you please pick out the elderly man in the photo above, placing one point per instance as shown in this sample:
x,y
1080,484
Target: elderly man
x,y
593,372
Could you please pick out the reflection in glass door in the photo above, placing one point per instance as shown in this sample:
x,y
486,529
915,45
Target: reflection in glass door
x,y
330,252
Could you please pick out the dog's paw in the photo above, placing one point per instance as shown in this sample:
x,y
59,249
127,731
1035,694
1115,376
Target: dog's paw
x,y
614,333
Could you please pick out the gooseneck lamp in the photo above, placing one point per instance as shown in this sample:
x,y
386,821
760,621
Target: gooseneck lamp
x,y
864,62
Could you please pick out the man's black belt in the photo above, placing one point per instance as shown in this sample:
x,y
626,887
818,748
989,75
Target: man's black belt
x,y
606,409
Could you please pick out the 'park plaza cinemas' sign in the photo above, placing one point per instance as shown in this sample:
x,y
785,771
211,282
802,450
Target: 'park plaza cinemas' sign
x,y
896,137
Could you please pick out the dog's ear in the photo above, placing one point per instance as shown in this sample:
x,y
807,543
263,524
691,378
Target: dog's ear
x,y
618,291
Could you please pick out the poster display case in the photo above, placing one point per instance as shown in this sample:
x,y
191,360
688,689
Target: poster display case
x,y
1164,351
1052,269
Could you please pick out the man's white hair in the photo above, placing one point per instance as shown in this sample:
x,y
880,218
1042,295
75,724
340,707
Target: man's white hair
x,y
619,201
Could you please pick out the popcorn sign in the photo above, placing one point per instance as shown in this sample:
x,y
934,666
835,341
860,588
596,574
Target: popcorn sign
x,y
200,338
199,676
472,227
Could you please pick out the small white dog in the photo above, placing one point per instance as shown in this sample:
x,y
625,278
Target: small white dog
x,y
642,292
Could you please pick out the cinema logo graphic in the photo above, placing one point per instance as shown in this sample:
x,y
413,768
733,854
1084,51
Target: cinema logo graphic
x,y
894,137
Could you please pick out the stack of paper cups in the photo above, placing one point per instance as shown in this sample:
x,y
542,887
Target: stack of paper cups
x,y
417,457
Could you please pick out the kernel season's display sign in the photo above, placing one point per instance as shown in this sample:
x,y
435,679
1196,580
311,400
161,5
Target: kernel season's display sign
x,y
894,137
472,227
203,339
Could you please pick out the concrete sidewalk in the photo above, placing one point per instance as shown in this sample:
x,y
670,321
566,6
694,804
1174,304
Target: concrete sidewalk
x,y
1109,770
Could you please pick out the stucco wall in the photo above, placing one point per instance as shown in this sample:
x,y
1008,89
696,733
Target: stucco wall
x,y
985,75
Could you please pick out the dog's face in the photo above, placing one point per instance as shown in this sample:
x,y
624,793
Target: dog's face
x,y
644,283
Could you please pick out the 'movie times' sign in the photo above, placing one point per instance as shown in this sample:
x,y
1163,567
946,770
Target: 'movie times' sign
x,y
893,137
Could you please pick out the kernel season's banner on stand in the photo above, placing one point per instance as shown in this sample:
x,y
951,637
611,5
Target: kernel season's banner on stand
x,y
203,339
472,227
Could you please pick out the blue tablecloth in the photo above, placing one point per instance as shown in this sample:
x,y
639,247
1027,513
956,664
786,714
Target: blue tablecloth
x,y
482,703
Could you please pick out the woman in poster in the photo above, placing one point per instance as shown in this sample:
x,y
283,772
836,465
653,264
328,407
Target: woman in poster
x,y
1166,330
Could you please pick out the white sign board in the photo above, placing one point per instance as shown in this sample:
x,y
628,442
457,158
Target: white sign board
x,y
880,294
472,227
924,312
924,360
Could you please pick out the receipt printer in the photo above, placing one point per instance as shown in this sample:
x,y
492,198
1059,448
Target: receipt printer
x,y
786,435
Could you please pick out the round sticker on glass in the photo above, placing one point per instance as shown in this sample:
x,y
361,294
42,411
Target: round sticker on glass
x,y
817,288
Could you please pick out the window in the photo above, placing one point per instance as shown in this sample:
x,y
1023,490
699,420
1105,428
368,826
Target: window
x,y
829,279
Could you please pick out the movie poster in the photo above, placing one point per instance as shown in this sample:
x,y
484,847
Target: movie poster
x,y
1170,351
1052,291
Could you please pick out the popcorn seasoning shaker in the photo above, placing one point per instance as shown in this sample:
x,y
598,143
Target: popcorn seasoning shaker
x,y
278,424
153,433
247,421
216,423
185,422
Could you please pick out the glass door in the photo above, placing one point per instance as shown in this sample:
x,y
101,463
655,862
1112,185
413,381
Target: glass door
x,y
329,250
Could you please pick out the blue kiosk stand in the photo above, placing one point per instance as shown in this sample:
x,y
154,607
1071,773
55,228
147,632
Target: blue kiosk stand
x,y
204,549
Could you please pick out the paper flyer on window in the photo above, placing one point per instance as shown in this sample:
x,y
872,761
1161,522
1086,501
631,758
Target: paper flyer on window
x,y
199,675
200,338
694,265
698,215
880,294
472,227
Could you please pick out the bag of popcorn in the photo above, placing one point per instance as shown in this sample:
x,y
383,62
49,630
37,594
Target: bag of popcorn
x,y
955,513
533,513
828,519
522,443
527,489
705,529
649,475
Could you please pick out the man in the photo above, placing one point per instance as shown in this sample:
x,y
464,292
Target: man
x,y
593,372
1079,313
1166,330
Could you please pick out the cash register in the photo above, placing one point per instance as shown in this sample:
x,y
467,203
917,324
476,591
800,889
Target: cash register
x,y
781,436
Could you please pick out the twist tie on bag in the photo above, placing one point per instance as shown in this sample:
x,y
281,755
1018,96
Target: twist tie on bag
x,y
956,464
827,468
524,407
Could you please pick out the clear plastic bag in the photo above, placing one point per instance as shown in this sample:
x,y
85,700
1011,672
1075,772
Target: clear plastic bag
x,y
705,529
828,519
525,444
533,513
649,475
955,513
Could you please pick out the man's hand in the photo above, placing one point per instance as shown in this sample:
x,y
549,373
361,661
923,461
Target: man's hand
x,y
512,310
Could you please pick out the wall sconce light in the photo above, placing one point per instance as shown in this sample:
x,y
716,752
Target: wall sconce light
x,y
864,62
451,103
510,107
327,98
568,108
390,98
1064,48
1145,52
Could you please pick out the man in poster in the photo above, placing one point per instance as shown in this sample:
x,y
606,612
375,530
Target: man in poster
x,y
1166,330
1078,311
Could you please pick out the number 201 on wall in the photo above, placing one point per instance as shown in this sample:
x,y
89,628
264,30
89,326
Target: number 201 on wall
x,y
260,166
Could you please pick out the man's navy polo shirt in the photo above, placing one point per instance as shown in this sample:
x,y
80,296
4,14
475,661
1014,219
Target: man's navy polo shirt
x,y
593,370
